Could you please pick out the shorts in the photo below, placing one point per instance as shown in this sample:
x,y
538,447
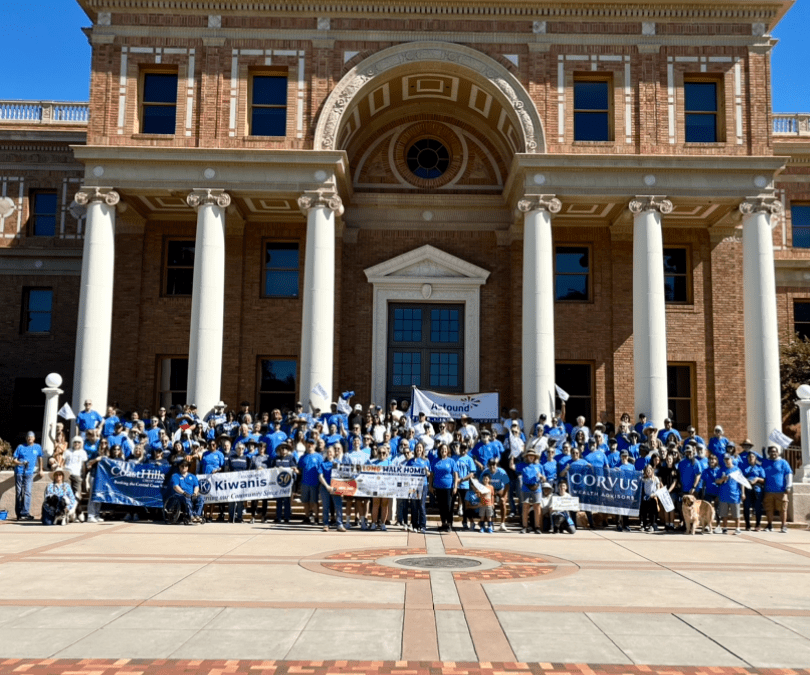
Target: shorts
x,y
309,494
728,510
485,512
528,497
775,502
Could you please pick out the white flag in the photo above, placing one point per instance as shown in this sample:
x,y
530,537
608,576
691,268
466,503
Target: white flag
x,y
780,439
666,499
561,393
738,476
65,412
343,406
318,390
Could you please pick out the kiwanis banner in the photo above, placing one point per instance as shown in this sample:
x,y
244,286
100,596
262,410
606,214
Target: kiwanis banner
x,y
246,485
119,482
438,407
606,490
402,482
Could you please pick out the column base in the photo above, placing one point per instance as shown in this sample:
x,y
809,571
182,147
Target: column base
x,y
799,507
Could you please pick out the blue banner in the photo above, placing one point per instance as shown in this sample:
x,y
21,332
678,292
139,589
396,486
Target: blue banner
x,y
120,482
606,490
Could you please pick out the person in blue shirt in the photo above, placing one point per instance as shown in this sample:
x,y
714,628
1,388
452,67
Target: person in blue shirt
x,y
108,427
689,470
641,424
483,450
718,443
614,457
308,468
285,461
668,431
597,457
731,494
418,512
443,484
499,479
88,419
711,488
623,522
27,461
466,468
330,501
381,506
187,486
532,478
753,497
691,433
237,462
778,482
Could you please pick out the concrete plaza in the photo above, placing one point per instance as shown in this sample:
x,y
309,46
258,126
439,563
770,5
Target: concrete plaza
x,y
256,592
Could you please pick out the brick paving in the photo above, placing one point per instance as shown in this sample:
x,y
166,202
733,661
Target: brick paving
x,y
372,569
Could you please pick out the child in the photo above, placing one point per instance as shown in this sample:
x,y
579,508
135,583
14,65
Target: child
x,y
487,508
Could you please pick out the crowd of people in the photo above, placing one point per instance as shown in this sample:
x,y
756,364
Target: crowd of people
x,y
486,476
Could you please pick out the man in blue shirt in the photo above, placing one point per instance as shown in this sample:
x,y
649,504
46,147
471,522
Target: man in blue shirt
x,y
730,494
187,486
718,443
108,428
668,431
778,482
308,466
689,470
88,418
27,460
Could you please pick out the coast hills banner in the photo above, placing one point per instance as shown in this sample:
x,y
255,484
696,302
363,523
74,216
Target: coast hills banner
x,y
606,490
438,407
128,484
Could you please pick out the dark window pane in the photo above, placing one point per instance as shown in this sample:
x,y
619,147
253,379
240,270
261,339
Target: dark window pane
x,y
45,203
701,128
574,378
269,122
180,253
39,322
281,256
700,96
178,375
179,281
591,95
679,381
591,126
674,261
269,90
571,287
681,413
44,226
801,311
160,88
675,289
281,283
800,215
278,375
40,300
571,259
270,401
801,237
159,119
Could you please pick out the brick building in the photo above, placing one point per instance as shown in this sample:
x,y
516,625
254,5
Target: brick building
x,y
467,197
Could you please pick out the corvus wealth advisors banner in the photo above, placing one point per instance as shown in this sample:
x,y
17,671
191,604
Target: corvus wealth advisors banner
x,y
438,407
606,490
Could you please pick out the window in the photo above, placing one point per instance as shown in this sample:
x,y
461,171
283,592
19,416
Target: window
x,y
43,213
37,308
159,103
173,381
281,266
800,225
701,111
277,384
268,110
428,158
179,267
571,273
676,275
576,379
425,348
801,318
592,109
679,386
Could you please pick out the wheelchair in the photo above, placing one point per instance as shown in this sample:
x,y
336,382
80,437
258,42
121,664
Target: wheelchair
x,y
174,509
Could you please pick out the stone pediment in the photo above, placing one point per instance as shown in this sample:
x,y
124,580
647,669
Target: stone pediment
x,y
428,263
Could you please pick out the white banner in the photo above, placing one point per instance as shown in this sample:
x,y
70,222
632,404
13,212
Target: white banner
x,y
561,393
66,412
780,439
402,482
246,485
559,503
665,499
438,407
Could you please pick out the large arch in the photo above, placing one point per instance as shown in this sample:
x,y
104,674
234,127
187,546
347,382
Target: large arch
x,y
489,75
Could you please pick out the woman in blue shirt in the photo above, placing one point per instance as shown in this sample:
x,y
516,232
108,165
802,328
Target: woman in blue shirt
x,y
418,512
443,484
753,497
330,502
381,506
466,469
531,479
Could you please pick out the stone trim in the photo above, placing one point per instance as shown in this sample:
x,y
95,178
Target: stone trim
x,y
650,203
205,196
88,195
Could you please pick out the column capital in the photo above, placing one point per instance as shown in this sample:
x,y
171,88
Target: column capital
x,y
88,195
643,203
324,198
205,196
770,205
548,203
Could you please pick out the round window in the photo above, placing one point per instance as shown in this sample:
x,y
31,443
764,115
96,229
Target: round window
x,y
428,158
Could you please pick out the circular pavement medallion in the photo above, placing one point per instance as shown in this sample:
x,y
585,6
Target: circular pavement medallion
x,y
443,562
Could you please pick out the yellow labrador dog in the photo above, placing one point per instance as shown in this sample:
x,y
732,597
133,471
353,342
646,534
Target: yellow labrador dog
x,y
697,514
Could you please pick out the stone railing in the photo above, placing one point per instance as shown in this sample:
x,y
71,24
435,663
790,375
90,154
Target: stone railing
x,y
791,124
43,112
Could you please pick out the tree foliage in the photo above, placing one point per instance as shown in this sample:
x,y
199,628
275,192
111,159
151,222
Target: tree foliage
x,y
794,370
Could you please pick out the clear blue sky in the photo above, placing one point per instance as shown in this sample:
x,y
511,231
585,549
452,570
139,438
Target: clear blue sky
x,y
46,56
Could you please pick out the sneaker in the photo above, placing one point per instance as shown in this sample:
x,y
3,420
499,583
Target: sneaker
x,y
92,519
128,518
326,528
422,531
363,523
340,528
725,530
524,530
135,518
490,530
383,528
783,530
82,517
769,528
718,530
373,526
737,531
536,531
64,520
464,526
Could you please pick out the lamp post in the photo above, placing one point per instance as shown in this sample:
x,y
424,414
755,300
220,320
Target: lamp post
x,y
52,392
800,496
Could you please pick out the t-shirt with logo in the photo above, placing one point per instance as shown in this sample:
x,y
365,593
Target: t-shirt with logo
x,y
498,478
308,466
187,483
776,473
211,461
730,491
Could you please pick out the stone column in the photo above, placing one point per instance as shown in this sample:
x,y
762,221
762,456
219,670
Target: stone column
x,y
52,392
763,395
94,325
318,320
649,308
207,299
538,369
